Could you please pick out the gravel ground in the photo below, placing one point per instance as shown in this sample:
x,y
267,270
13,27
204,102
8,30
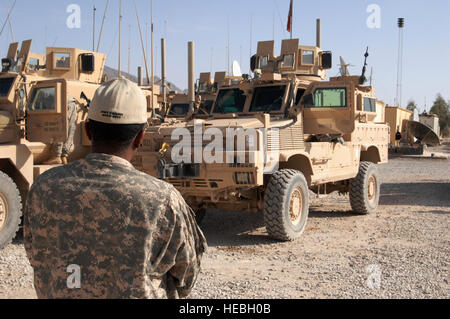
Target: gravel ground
x,y
401,251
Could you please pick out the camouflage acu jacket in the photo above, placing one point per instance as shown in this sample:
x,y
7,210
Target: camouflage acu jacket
x,y
98,228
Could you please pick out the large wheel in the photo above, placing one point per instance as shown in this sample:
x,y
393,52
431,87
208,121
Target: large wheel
x,y
10,209
286,205
365,189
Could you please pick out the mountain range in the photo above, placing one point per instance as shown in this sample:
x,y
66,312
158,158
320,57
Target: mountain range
x,y
112,74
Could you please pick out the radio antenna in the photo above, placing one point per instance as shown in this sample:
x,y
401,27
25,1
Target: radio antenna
x,y
7,18
93,29
142,41
101,29
120,37
363,78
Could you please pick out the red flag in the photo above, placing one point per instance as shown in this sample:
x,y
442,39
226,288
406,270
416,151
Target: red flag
x,y
291,12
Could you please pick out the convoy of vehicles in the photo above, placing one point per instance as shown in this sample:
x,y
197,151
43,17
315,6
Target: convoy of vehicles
x,y
253,144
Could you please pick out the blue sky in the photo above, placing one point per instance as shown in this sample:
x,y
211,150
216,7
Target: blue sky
x,y
344,28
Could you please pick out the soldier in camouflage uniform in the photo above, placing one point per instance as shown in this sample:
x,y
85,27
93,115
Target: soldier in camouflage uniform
x,y
98,228
61,151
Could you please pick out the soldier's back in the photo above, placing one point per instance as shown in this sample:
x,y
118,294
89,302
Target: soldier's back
x,y
110,224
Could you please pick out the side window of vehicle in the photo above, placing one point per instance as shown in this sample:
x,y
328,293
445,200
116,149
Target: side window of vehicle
x,y
369,105
330,98
42,99
61,61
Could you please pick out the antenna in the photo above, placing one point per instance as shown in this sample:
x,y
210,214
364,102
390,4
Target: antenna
x,y
142,41
120,37
228,45
163,72
273,27
93,29
165,28
212,55
129,49
156,60
240,55
251,43
7,18
103,23
363,78
153,78
10,25
371,76
401,25
146,48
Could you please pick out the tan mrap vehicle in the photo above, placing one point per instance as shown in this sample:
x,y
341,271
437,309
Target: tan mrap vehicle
x,y
207,88
34,118
205,96
291,135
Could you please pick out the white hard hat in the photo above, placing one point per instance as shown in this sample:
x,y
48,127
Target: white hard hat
x,y
119,102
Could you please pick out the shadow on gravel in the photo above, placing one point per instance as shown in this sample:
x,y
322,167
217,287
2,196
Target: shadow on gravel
x,y
436,212
333,214
416,194
234,229
18,240
239,229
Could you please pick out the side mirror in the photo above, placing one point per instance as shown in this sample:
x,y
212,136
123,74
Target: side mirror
x,y
253,61
327,60
308,100
7,64
84,97
87,63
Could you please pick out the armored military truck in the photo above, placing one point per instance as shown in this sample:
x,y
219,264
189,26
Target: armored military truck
x,y
205,95
35,91
271,140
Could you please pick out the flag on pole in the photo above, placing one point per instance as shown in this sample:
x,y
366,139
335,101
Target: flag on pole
x,y
291,12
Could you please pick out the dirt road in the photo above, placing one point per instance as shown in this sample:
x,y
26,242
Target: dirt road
x,y
402,251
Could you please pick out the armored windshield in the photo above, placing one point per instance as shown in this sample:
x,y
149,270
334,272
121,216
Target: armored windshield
x,y
268,98
179,110
5,86
229,101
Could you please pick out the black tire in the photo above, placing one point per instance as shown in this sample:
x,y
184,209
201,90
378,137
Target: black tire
x,y
10,210
283,188
365,189
200,216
